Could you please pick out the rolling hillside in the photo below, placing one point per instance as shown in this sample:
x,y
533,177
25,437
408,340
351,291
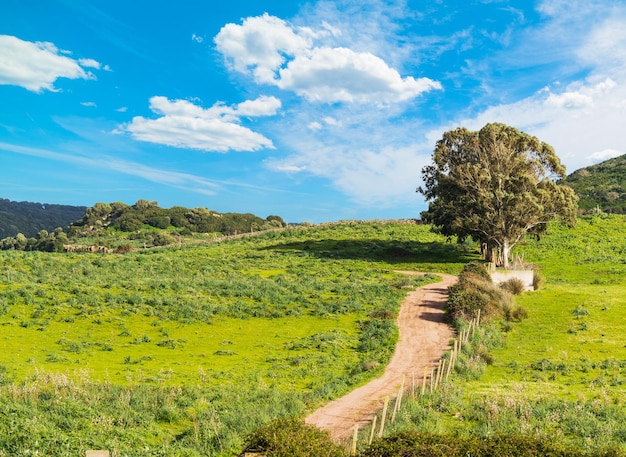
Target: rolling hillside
x,y
601,186
29,218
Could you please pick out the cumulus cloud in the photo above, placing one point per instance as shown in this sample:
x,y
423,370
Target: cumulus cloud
x,y
261,45
217,129
342,75
601,156
277,53
37,65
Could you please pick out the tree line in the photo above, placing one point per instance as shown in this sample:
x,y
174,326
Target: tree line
x,y
143,219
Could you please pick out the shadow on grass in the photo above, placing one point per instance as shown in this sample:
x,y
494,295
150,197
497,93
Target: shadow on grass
x,y
391,252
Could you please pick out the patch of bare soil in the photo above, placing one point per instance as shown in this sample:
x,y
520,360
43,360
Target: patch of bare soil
x,y
423,338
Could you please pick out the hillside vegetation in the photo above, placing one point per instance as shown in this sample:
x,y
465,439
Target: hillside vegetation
x,y
185,350
555,375
120,227
29,218
601,186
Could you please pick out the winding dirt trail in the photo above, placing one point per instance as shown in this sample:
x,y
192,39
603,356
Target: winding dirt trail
x,y
423,338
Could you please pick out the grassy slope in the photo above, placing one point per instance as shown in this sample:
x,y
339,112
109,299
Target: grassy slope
x,y
188,349
602,185
573,344
561,373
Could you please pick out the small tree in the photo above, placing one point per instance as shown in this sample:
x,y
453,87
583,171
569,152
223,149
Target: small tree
x,y
495,186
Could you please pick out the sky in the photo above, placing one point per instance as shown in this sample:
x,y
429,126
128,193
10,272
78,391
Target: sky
x,y
314,111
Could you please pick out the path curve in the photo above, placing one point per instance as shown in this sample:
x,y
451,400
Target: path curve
x,y
423,338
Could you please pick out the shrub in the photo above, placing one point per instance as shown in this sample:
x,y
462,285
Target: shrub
x,y
476,291
514,285
291,437
538,280
519,314
415,444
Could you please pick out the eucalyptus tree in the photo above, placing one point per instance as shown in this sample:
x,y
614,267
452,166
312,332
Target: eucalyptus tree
x,y
495,186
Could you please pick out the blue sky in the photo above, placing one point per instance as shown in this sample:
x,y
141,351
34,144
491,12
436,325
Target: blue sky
x,y
315,111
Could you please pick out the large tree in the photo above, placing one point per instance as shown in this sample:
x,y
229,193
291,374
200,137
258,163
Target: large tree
x,y
495,186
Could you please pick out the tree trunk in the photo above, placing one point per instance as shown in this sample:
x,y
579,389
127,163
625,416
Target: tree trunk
x,y
506,250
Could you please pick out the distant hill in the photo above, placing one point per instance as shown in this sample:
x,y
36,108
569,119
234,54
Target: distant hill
x,y
601,186
29,218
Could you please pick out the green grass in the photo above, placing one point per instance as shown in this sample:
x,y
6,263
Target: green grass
x,y
573,344
185,350
561,373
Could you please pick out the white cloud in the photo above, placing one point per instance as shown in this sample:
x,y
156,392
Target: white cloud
x,y
89,104
197,38
260,44
89,63
315,125
601,156
280,54
342,75
606,44
184,125
36,66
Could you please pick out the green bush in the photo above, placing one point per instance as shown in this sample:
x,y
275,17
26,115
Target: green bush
x,y
475,291
291,437
415,444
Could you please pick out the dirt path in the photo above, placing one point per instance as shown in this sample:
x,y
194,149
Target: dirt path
x,y
423,339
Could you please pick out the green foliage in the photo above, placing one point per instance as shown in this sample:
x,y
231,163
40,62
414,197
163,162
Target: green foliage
x,y
475,291
119,216
194,346
29,218
494,186
291,437
420,444
601,187
43,241
560,376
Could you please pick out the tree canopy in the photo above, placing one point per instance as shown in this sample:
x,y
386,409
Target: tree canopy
x,y
495,185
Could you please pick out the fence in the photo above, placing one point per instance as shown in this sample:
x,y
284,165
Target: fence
x,y
431,380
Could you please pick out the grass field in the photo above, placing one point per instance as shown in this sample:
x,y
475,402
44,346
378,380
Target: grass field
x,y
560,374
183,351
243,330
573,344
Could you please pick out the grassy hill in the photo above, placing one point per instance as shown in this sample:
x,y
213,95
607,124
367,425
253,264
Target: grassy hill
x,y
601,186
185,350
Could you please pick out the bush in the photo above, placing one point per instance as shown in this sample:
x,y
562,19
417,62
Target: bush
x,y
514,285
415,444
538,280
518,314
291,437
475,291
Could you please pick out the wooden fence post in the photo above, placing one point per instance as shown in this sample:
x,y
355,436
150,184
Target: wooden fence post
x,y
372,431
384,416
432,375
355,437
